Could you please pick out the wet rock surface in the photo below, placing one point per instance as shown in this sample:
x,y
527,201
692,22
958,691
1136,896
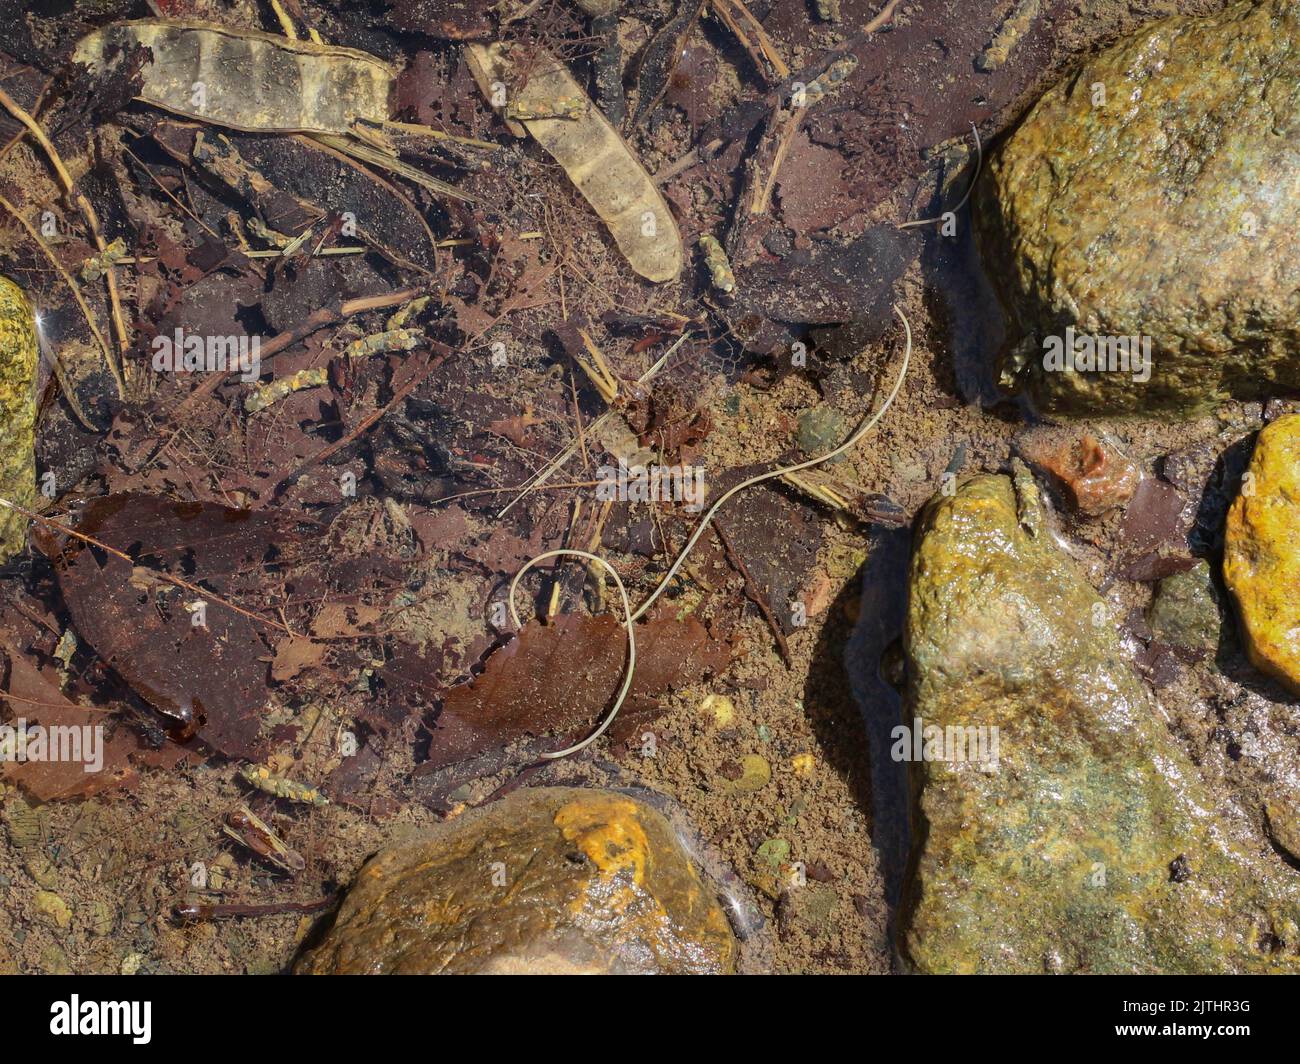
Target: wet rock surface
x,y
1197,120
1262,553
1093,473
18,355
549,880
1185,612
1090,844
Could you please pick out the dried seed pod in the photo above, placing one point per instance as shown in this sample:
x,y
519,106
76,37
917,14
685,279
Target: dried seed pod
x,y
246,79
592,153
260,776
248,829
19,349
716,261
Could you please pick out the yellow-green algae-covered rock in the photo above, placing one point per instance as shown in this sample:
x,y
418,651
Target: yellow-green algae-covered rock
x,y
18,359
1154,193
1261,553
549,880
1091,844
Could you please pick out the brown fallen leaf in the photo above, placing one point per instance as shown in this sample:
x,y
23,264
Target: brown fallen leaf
x,y
209,676
294,655
38,702
559,679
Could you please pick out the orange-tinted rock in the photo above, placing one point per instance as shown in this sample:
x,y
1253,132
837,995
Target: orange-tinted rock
x,y
1094,474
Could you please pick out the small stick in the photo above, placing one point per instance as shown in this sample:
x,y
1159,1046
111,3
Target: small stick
x,y
227,910
92,223
755,593
766,46
413,130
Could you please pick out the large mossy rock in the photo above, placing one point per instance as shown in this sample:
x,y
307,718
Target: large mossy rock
x,y
549,880
1261,553
18,364
1169,209
1091,845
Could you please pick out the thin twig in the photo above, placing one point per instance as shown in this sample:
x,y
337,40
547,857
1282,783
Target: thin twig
x,y
92,222
755,593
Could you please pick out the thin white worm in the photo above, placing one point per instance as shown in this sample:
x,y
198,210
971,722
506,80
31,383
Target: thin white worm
x,y
979,165
629,618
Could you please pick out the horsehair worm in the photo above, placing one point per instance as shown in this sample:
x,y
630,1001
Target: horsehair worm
x,y
593,155
245,79
629,616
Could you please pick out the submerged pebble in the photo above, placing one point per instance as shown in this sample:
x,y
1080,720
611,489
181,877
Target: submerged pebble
x,y
545,880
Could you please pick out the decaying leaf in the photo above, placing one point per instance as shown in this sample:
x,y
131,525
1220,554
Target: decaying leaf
x,y
592,153
210,676
246,79
558,678
38,702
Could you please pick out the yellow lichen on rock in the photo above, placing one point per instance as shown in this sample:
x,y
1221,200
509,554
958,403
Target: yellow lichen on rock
x,y
18,359
607,831
1261,561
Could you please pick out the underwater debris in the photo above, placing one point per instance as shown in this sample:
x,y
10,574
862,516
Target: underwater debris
x,y
246,79
595,157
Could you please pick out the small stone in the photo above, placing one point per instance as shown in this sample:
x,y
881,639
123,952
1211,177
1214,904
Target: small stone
x,y
755,773
822,429
54,961
1185,612
1095,476
1261,555
810,908
549,879
53,909
42,870
131,963
720,709
774,852
803,764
